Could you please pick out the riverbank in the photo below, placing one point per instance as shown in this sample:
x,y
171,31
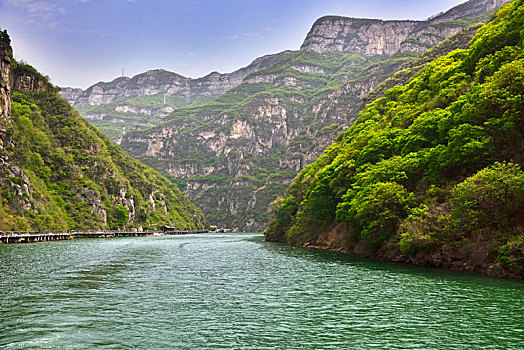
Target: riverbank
x,y
9,237
473,254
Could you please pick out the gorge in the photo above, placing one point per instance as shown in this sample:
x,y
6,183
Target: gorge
x,y
237,143
233,142
373,178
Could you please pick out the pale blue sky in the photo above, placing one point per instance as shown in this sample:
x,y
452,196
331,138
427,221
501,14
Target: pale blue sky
x,y
80,42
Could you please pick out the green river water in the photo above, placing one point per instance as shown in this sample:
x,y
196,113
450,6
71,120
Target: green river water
x,y
235,291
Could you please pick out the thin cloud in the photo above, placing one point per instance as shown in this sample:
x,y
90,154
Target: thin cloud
x,y
93,32
243,36
37,8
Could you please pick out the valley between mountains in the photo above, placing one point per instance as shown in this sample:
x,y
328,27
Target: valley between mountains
x,y
396,140
234,142
311,199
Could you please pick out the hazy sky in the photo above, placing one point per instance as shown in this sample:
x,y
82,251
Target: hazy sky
x,y
80,42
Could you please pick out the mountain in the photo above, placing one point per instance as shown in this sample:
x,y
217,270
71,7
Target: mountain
x,y
57,172
237,153
141,102
160,81
431,173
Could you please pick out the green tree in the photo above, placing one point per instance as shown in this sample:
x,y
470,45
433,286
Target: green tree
x,y
511,255
493,196
121,216
377,211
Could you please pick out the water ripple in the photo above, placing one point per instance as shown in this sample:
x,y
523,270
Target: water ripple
x,y
236,291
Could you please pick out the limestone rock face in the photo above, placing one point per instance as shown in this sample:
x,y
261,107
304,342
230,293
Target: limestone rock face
x,y
29,83
366,36
5,87
71,94
375,37
21,191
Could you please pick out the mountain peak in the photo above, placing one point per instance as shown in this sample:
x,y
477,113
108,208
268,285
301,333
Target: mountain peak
x,y
380,37
366,36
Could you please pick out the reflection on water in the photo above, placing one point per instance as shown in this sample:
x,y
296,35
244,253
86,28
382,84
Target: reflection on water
x,y
237,291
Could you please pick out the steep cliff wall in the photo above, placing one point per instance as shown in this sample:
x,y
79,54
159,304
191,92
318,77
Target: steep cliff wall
x,y
366,36
374,37
28,81
5,87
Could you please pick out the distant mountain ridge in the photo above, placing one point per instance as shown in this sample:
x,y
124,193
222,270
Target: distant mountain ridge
x,y
160,81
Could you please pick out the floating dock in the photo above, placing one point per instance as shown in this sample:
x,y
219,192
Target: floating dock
x,y
7,237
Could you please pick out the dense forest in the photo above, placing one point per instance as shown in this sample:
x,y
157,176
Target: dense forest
x,y
431,173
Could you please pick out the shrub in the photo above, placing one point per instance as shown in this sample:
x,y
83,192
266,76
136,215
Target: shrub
x,y
121,215
378,211
511,255
424,228
493,196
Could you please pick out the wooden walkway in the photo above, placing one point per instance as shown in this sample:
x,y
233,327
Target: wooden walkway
x,y
7,237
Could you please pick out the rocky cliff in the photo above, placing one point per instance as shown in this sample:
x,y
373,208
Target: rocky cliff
x,y
366,36
375,37
5,87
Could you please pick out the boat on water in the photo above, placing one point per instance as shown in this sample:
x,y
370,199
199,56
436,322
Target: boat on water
x,y
156,234
222,230
215,229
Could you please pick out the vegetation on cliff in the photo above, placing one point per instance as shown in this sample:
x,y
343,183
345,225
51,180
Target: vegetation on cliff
x,y
434,166
57,172
235,152
138,113
229,175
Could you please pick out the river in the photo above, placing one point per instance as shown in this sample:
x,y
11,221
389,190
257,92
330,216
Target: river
x,y
235,291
